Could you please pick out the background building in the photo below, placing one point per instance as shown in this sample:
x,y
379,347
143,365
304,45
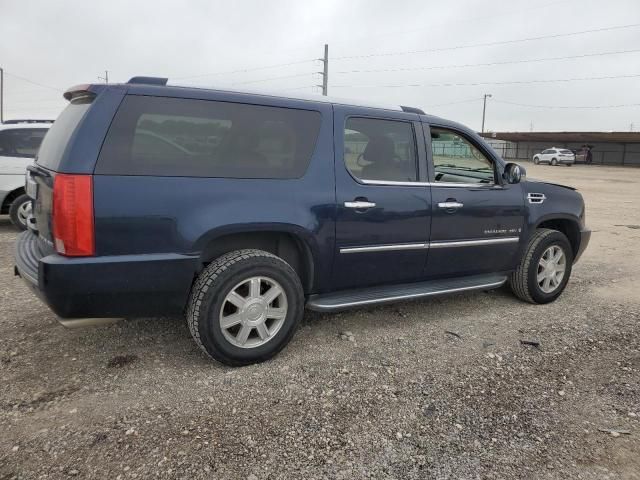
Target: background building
x,y
607,148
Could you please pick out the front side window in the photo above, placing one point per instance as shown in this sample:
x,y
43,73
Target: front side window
x,y
184,137
380,150
456,160
21,142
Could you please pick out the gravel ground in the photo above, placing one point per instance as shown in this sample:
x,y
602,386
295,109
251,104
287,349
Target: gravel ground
x,y
431,389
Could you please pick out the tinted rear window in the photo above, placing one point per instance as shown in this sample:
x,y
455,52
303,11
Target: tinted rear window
x,y
21,142
183,137
56,139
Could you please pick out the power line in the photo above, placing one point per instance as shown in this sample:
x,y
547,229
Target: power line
x,y
276,78
474,84
569,107
245,70
489,44
32,82
470,100
489,64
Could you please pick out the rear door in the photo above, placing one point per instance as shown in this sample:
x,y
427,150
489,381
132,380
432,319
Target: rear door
x,y
383,201
476,219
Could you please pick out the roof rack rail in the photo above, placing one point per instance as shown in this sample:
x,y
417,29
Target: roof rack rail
x,y
419,111
26,120
149,80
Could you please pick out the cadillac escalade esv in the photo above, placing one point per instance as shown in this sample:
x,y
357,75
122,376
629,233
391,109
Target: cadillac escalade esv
x,y
239,210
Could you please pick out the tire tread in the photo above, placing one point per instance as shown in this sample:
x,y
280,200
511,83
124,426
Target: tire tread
x,y
518,280
207,280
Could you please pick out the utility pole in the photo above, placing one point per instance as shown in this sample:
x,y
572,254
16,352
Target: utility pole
x,y
1,95
484,109
325,70
106,77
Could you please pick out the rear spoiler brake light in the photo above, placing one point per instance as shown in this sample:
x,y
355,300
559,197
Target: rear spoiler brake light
x,y
78,91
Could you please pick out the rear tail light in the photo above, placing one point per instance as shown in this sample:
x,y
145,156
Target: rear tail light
x,y
73,231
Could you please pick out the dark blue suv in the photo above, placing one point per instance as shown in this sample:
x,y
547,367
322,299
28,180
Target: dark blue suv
x,y
240,210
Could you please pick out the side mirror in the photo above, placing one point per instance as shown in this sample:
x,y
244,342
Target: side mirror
x,y
514,173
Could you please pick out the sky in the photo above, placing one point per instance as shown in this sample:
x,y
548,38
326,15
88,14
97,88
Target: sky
x,y
440,56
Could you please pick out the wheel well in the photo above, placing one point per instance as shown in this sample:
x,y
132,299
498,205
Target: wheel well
x,y
290,248
11,196
570,229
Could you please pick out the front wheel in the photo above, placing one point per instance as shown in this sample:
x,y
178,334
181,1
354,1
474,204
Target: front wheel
x,y
554,161
536,160
20,210
245,307
545,268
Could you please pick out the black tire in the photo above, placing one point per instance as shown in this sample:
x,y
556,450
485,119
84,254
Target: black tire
x,y
536,160
15,214
554,161
523,280
569,164
207,300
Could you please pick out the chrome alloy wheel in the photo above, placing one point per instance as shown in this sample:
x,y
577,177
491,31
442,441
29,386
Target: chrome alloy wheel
x,y
551,268
253,312
24,211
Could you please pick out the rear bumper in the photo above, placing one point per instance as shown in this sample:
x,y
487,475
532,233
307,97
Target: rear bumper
x,y
585,236
110,286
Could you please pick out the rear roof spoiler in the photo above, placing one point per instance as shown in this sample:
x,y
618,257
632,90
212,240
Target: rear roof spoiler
x,y
149,80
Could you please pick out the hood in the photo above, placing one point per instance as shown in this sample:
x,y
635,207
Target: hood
x,y
535,180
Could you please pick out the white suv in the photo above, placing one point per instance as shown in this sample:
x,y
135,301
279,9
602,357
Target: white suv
x,y
555,156
19,143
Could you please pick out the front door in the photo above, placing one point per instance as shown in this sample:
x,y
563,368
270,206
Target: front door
x,y
477,219
383,201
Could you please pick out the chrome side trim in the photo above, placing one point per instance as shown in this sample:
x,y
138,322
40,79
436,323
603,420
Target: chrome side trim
x,y
385,248
396,184
422,245
471,243
427,184
395,298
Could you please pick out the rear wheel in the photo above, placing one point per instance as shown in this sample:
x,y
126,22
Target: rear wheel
x,y
245,307
554,161
545,268
20,210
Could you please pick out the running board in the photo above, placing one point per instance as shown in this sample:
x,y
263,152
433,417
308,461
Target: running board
x,y
408,291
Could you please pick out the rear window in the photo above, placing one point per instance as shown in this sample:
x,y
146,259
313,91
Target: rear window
x,y
56,139
183,137
566,151
21,142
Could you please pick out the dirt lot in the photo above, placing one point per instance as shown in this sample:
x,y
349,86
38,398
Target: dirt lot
x,y
399,398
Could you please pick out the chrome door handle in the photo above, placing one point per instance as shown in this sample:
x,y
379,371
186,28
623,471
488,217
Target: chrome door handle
x,y
359,205
450,205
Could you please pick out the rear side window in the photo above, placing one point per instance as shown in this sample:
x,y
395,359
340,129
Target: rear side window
x,y
21,142
202,138
56,139
380,150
